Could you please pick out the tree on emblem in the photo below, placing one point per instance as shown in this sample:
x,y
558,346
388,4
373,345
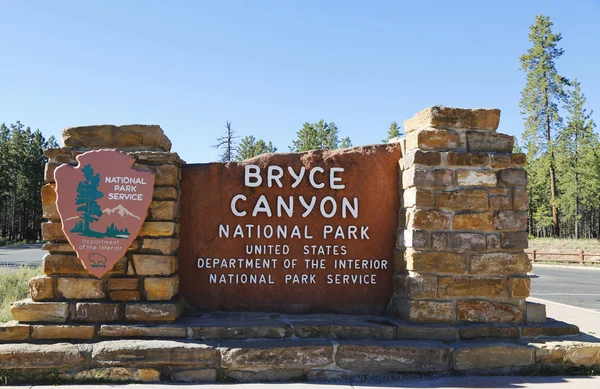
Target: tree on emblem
x,y
87,194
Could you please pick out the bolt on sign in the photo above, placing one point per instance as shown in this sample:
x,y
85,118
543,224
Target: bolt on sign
x,y
298,232
102,203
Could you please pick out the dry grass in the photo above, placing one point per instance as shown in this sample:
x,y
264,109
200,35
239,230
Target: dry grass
x,y
571,246
13,286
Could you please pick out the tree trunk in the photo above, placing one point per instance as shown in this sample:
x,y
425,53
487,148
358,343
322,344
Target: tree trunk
x,y
556,232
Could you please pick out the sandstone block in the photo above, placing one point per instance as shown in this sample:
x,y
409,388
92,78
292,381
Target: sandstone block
x,y
501,161
427,332
161,288
432,139
200,375
535,313
430,219
470,286
35,357
158,229
157,157
462,199
399,356
60,248
519,159
492,357
265,375
53,332
53,232
500,263
14,331
41,288
49,171
514,240
468,159
482,311
435,262
520,199
125,295
512,177
551,329
510,220
154,265
500,202
439,240
123,284
124,331
489,141
425,311
300,355
97,312
163,245
29,311
241,329
153,353
418,197
464,241
427,178
519,287
79,288
499,191
49,202
492,241
118,374
419,157
165,193
489,331
347,330
447,117
164,210
153,311
480,221
420,286
150,137
484,178
166,175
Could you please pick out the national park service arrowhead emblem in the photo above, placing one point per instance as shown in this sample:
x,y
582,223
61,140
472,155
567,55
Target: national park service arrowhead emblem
x,y
102,202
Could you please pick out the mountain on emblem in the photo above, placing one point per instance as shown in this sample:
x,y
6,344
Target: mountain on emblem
x,y
103,203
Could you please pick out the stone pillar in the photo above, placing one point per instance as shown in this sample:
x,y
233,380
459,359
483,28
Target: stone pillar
x,y
143,285
463,221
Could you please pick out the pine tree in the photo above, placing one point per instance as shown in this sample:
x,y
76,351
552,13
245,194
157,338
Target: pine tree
x,y
227,144
540,101
318,136
250,147
576,146
346,142
393,132
87,194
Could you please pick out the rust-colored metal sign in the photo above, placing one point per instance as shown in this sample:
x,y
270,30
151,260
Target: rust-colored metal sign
x,y
299,232
102,203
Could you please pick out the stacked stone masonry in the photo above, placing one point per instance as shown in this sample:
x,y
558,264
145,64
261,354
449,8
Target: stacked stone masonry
x,y
460,252
143,286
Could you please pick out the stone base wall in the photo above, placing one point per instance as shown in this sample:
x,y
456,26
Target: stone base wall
x,y
463,221
143,286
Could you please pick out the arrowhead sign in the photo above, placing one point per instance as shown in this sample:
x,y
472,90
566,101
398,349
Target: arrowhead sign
x,y
102,203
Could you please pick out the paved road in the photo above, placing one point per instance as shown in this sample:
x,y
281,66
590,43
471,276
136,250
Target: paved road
x,y
27,254
567,285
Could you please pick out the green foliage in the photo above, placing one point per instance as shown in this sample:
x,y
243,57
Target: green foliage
x,y
250,147
393,132
14,284
21,178
319,136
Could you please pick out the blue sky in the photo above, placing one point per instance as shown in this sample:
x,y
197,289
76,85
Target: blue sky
x,y
269,66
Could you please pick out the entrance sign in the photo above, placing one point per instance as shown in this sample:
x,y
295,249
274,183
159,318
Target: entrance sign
x,y
305,232
102,203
